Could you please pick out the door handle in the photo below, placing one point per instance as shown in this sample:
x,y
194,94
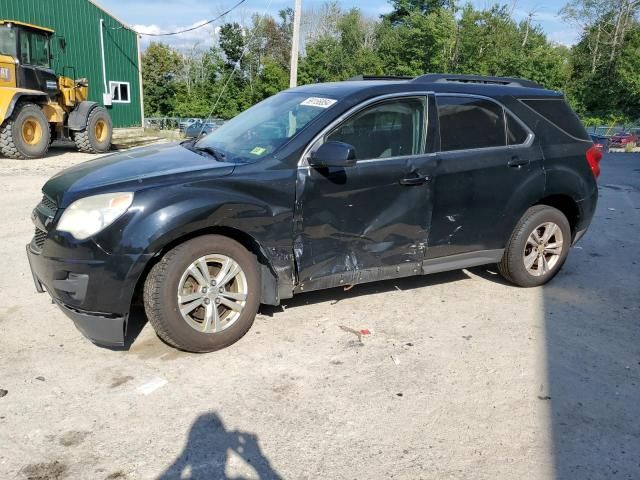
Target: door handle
x,y
517,162
417,180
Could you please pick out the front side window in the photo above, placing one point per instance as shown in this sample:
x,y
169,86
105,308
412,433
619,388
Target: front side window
x,y
25,51
39,50
265,127
34,49
391,129
468,123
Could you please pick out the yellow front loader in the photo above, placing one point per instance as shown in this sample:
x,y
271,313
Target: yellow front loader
x,y
36,105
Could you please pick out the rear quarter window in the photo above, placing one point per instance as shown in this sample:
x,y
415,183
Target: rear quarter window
x,y
559,114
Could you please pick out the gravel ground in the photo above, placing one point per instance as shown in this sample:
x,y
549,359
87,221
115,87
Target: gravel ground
x,y
463,376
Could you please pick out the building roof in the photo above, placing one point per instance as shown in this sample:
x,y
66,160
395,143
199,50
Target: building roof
x,y
100,7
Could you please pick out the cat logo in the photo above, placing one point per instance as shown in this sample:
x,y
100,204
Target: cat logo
x,y
5,74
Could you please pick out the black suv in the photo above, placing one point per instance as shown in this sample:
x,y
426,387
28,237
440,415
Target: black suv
x,y
319,186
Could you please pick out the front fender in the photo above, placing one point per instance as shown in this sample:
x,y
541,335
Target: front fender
x,y
78,117
9,97
162,218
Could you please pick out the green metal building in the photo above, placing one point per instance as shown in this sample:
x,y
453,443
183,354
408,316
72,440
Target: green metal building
x,y
90,43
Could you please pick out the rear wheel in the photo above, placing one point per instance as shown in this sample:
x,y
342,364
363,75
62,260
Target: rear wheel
x,y
537,248
204,294
96,137
26,134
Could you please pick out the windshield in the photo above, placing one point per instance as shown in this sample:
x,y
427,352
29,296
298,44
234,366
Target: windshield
x,y
8,42
265,127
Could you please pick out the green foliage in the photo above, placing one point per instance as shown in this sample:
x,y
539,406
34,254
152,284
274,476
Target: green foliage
x,y
232,42
422,43
160,66
599,74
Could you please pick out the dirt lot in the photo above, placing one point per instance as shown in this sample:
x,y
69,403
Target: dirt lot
x,y
463,376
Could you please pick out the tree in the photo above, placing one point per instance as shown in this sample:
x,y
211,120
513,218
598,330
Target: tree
x,y
405,8
249,63
421,44
232,42
160,66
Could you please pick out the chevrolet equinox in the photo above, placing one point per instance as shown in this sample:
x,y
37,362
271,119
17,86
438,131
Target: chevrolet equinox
x,y
320,186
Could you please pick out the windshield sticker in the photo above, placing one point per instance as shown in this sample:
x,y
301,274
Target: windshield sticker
x,y
258,151
319,102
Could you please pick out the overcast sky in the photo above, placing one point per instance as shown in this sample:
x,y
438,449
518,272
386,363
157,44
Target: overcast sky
x,y
170,15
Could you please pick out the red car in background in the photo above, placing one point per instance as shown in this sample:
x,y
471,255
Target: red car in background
x,y
621,140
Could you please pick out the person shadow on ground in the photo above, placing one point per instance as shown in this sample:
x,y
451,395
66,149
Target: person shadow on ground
x,y
207,451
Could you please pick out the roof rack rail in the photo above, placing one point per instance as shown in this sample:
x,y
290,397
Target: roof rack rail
x,y
486,80
379,77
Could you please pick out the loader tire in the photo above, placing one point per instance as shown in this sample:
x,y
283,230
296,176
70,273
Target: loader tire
x,y
96,137
26,134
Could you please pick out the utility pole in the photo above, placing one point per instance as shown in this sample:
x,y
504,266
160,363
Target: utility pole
x,y
295,44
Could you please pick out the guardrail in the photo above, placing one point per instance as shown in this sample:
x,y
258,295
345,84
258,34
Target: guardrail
x,y
174,123
608,130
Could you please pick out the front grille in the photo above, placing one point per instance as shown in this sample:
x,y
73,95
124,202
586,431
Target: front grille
x,y
39,238
49,204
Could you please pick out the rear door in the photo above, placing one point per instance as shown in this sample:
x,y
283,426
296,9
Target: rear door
x,y
369,221
488,169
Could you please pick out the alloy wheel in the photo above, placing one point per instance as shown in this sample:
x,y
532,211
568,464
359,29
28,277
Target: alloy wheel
x,y
543,249
212,293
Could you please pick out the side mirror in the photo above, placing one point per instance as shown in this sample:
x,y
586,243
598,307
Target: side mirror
x,y
62,42
333,154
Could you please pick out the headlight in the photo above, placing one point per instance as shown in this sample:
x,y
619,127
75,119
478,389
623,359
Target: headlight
x,y
90,215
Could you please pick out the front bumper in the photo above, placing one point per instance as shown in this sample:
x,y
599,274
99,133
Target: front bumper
x,y
109,331
96,294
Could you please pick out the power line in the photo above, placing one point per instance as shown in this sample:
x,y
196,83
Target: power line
x,y
208,22
231,74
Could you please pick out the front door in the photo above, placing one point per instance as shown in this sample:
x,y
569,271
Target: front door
x,y
369,221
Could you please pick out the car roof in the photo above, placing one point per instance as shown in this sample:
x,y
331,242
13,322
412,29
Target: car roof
x,y
465,84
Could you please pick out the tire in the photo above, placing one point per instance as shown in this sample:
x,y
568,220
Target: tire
x,y
522,247
171,275
26,134
96,137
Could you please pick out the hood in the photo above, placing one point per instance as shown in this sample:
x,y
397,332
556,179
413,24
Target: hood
x,y
132,170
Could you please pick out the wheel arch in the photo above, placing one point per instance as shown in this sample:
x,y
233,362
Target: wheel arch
x,y
9,101
269,277
567,205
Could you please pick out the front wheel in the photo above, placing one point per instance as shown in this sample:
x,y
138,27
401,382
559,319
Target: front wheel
x,y
26,134
204,294
538,247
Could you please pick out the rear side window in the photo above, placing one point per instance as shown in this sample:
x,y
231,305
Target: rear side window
x,y
516,133
560,114
467,123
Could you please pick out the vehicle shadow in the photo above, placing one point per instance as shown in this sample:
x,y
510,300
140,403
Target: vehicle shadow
x,y
138,319
592,314
335,295
207,452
